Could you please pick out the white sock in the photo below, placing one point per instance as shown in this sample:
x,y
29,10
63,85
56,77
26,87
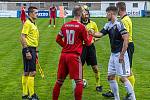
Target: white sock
x,y
129,89
114,88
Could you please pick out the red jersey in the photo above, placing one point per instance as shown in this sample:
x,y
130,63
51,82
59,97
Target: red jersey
x,y
23,13
52,10
74,33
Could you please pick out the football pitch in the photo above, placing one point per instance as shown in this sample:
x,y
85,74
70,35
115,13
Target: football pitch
x,y
11,66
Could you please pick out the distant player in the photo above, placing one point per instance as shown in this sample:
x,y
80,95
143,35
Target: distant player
x,y
52,12
71,37
128,25
29,41
23,14
89,52
119,60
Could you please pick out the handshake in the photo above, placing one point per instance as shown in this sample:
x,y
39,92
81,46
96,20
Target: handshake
x,y
91,32
95,34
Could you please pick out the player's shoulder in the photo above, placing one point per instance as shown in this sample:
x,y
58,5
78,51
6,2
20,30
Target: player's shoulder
x,y
118,22
126,18
27,22
107,25
92,22
75,23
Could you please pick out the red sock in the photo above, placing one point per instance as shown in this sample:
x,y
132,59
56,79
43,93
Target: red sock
x,y
78,90
50,21
56,90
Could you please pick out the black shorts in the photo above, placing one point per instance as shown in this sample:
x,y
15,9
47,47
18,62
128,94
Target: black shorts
x,y
89,55
130,51
29,65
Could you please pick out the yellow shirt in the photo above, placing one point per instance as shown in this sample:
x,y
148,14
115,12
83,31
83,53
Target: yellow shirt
x,y
31,32
128,24
92,25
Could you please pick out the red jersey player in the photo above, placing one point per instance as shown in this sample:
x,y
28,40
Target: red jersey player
x,y
71,38
23,14
52,15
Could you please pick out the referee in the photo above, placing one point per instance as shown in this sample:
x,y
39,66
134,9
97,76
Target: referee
x,y
89,52
29,41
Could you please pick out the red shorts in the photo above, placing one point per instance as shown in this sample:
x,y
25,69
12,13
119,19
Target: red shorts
x,y
53,16
69,64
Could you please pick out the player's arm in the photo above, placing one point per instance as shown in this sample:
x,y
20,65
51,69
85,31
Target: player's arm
x,y
96,30
59,39
125,37
96,35
126,24
103,32
23,40
124,48
23,36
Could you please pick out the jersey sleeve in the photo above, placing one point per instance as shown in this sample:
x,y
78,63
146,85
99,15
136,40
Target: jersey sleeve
x,y
125,22
25,29
104,31
59,38
95,27
121,28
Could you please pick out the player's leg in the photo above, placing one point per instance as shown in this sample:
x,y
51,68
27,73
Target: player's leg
x,y
130,51
54,18
83,55
111,77
75,72
22,21
92,60
61,75
50,21
83,59
123,70
131,78
32,73
25,77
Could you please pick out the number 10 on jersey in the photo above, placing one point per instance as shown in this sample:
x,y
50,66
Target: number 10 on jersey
x,y
70,36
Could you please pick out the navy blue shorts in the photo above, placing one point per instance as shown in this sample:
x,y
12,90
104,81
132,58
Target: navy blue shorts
x,y
89,55
29,65
130,51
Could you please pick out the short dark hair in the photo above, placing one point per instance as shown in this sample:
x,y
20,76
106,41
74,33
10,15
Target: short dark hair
x,y
112,8
30,9
77,11
121,6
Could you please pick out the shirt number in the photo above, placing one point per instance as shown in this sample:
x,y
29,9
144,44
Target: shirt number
x,y
70,36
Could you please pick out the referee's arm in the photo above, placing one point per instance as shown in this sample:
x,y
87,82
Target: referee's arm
x,y
25,47
23,40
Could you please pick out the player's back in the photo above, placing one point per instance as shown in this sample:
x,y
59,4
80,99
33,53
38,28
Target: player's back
x,y
74,33
126,20
52,9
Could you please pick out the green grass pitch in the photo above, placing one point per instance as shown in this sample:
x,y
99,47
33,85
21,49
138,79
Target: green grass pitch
x,y
11,66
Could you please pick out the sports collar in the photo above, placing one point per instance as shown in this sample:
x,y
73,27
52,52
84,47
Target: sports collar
x,y
32,21
124,16
85,22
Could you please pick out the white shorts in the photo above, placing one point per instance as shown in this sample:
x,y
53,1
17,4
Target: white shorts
x,y
116,68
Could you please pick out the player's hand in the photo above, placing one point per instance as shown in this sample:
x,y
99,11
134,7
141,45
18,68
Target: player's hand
x,y
91,32
28,56
121,58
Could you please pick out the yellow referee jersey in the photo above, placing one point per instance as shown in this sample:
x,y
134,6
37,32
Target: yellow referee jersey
x,y
128,24
92,25
32,33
